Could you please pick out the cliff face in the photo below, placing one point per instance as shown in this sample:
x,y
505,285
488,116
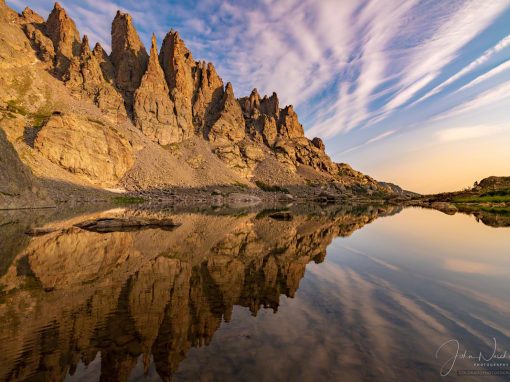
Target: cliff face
x,y
152,101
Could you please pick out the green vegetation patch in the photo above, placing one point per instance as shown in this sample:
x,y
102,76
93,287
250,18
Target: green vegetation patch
x,y
128,200
39,118
15,107
270,188
497,193
482,199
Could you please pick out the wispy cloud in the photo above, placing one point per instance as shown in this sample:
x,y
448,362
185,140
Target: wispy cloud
x,y
486,56
489,97
377,138
465,133
484,77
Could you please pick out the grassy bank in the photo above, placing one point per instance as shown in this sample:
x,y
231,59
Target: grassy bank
x,y
482,199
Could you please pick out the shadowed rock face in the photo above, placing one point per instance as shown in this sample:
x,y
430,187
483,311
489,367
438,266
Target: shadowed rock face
x,y
150,293
18,187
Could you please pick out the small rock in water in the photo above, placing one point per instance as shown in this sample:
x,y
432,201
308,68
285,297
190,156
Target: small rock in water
x,y
104,225
40,231
281,215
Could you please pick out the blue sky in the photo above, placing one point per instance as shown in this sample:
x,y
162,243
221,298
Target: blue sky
x,y
413,92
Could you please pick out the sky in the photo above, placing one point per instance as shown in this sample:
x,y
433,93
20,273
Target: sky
x,y
411,92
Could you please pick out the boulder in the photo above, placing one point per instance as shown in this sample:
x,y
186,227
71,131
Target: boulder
x,y
90,149
119,224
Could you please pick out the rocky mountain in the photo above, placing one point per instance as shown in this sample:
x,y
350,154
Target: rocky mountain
x,y
133,121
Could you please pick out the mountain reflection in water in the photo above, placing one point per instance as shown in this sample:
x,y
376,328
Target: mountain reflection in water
x,y
180,304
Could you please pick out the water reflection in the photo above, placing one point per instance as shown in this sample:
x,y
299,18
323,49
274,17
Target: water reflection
x,y
188,304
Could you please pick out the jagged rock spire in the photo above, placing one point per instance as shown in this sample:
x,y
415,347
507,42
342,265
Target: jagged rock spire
x,y
230,126
128,57
208,95
31,16
84,74
85,46
153,109
62,31
270,106
179,67
251,104
104,62
34,27
289,126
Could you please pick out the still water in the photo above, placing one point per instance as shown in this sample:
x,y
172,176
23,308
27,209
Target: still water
x,y
373,293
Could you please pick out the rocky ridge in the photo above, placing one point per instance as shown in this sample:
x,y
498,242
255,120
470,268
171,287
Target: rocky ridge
x,y
144,110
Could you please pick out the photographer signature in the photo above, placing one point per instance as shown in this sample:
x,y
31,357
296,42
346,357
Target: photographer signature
x,y
452,350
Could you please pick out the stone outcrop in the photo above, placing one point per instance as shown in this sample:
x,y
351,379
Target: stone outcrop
x,y
251,104
129,57
41,43
87,148
179,67
317,142
32,17
270,106
289,126
153,108
280,130
35,28
85,75
229,128
261,117
62,31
